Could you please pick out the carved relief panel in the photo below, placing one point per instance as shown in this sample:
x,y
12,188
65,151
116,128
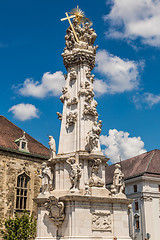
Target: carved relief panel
x,y
101,221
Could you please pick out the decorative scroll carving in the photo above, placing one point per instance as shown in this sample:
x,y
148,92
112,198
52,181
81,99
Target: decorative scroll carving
x,y
101,221
59,116
75,173
93,136
73,101
71,118
47,178
118,181
65,95
73,74
56,210
95,180
52,145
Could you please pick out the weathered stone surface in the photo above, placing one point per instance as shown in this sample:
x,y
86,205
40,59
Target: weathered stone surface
x,y
11,165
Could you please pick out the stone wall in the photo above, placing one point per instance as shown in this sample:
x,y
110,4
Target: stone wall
x,y
11,165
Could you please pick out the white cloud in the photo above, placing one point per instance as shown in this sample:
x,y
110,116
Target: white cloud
x,y
120,74
130,19
51,84
24,111
147,99
100,87
119,143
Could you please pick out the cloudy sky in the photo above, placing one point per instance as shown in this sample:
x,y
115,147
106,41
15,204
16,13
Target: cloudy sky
x,y
127,69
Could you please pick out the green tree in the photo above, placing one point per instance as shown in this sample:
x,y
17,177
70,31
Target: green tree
x,y
21,227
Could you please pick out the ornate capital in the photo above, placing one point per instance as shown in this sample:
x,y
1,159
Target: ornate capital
x,y
79,57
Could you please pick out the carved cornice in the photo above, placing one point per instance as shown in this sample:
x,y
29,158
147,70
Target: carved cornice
x,y
79,57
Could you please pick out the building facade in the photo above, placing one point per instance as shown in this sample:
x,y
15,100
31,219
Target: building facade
x,y
142,184
21,157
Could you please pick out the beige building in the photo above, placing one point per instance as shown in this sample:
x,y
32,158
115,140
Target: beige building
x,y
21,157
142,184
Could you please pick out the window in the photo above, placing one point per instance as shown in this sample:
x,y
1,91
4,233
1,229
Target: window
x,y
22,191
136,206
137,224
159,188
135,188
22,143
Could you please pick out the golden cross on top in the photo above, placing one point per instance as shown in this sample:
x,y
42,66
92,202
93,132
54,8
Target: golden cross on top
x,y
76,13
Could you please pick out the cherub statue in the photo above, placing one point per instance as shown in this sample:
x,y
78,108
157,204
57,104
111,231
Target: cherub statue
x,y
73,74
65,95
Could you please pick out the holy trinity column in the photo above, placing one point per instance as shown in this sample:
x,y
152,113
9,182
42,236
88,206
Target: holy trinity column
x,y
73,202
80,128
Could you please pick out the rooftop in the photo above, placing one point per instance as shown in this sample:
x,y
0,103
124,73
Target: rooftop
x,y
147,164
9,132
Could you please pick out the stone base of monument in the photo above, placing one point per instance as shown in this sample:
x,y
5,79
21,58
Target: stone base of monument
x,y
85,217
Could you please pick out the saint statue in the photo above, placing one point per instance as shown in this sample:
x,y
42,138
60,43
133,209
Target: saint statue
x,y
46,177
118,181
52,146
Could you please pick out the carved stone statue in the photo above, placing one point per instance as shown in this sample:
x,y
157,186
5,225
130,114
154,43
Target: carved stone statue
x,y
47,178
82,90
73,101
71,118
86,90
59,115
118,181
89,76
93,136
73,74
85,35
91,109
52,145
89,92
87,190
75,173
56,210
95,180
65,95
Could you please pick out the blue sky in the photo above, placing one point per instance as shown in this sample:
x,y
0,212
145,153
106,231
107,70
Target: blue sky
x,y
127,69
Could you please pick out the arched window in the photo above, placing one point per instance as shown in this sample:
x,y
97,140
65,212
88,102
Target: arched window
x,y
22,191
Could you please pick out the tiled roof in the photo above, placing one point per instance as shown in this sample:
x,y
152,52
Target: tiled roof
x,y
9,132
145,164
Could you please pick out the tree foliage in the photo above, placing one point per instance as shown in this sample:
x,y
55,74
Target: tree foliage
x,y
21,227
